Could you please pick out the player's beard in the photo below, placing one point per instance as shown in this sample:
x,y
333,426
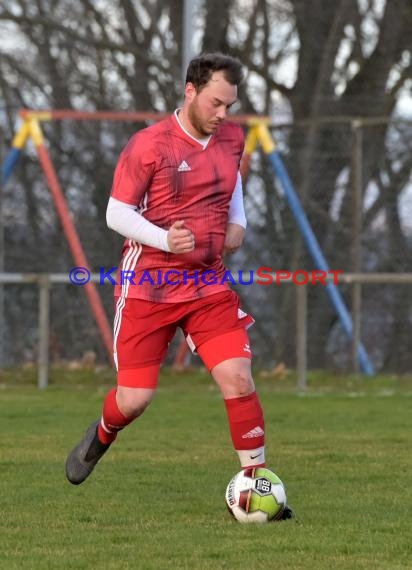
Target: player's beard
x,y
197,122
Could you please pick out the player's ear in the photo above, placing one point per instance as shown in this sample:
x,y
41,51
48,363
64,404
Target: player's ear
x,y
190,91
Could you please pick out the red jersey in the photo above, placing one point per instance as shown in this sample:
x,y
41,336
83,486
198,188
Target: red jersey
x,y
170,176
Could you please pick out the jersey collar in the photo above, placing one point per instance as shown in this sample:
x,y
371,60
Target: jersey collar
x,y
202,142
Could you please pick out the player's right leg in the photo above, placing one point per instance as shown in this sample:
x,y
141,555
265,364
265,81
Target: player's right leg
x,y
121,406
142,334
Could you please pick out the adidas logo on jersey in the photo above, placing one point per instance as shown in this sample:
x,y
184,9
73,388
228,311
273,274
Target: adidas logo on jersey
x,y
255,432
184,167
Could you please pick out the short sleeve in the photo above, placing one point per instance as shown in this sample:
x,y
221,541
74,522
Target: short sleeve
x,y
134,170
240,140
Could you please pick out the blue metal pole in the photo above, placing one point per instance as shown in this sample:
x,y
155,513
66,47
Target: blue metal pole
x,y
9,163
317,255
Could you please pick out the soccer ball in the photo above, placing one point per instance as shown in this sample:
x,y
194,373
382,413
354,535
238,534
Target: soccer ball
x,y
256,494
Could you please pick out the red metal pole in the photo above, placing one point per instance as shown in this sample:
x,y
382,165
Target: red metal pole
x,y
75,245
62,114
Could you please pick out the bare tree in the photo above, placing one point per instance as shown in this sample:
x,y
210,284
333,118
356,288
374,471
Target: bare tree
x,y
306,59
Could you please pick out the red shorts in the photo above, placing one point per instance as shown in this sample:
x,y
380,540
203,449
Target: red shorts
x,y
214,326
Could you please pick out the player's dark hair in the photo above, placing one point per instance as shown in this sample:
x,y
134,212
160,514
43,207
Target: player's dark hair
x,y
200,69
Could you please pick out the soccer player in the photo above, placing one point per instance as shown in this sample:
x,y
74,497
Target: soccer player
x,y
177,199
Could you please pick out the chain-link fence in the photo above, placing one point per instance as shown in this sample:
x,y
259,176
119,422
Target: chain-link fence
x,y
353,178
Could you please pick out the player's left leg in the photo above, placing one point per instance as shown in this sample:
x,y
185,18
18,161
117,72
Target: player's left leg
x,y
232,373
245,415
220,338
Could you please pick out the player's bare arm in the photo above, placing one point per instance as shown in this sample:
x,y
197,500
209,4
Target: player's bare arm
x,y
180,239
235,234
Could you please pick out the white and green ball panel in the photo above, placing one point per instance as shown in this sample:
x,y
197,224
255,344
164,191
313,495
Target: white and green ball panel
x,y
256,495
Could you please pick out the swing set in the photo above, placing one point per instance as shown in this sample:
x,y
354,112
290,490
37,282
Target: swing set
x,y
258,135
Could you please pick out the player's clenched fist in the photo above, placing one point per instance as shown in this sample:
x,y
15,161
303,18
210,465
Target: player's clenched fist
x,y
180,239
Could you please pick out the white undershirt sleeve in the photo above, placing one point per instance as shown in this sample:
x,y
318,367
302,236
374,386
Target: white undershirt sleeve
x,y
125,220
236,207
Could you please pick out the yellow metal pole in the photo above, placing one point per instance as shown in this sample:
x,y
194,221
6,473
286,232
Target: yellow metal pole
x,y
20,138
35,131
251,140
265,138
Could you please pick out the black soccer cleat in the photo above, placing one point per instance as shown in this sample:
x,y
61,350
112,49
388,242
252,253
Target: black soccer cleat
x,y
83,458
287,514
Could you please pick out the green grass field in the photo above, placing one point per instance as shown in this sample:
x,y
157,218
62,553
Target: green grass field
x,y
343,450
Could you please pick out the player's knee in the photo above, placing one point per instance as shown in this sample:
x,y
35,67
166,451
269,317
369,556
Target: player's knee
x,y
243,384
133,408
132,402
234,378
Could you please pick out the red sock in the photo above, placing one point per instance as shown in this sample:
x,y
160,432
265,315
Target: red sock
x,y
112,419
247,429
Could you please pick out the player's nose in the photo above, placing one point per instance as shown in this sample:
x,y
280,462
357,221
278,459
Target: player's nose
x,y
221,113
